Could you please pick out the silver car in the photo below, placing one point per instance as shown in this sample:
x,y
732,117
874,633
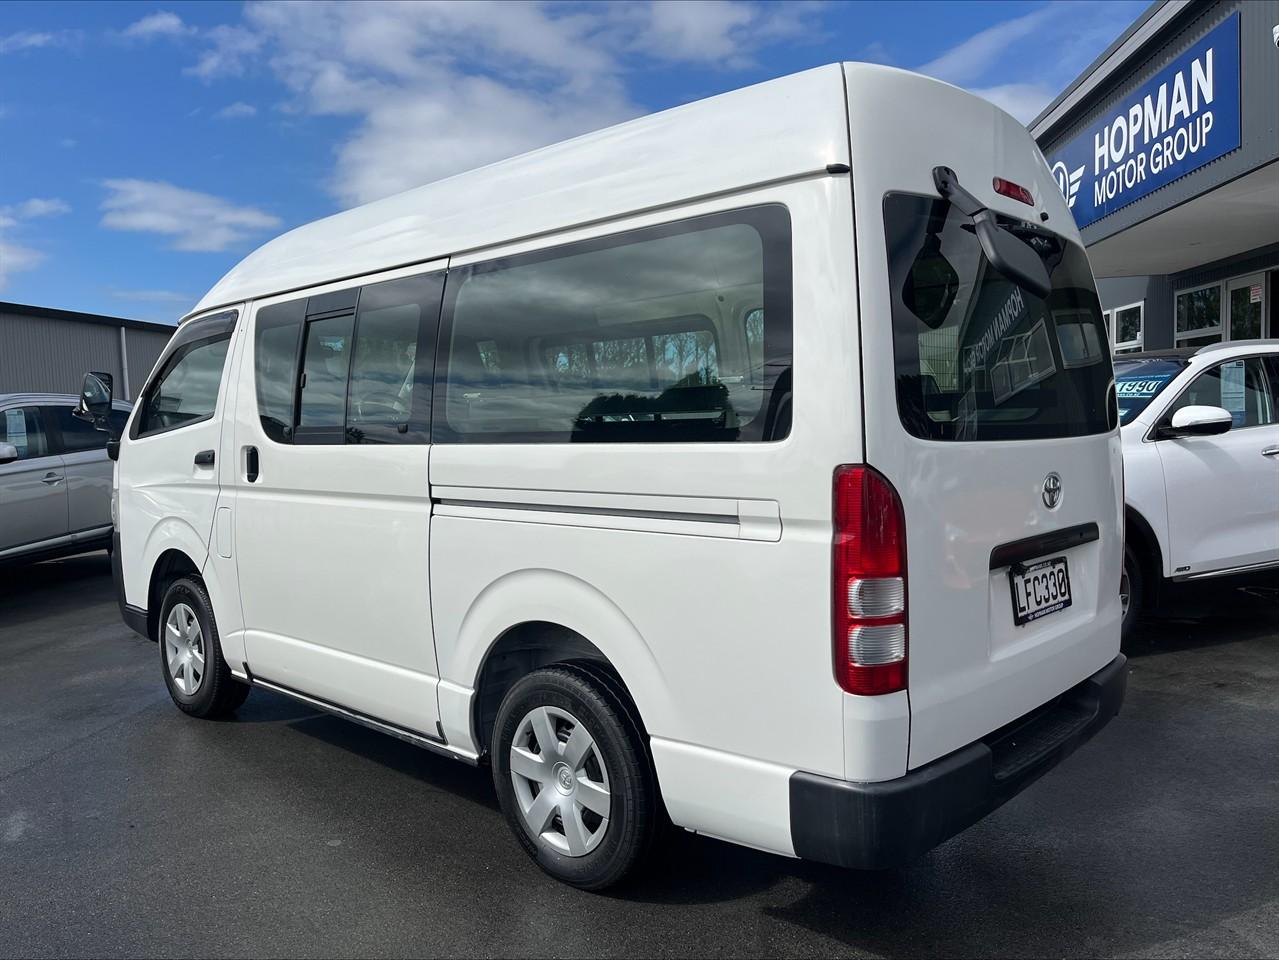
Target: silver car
x,y
55,477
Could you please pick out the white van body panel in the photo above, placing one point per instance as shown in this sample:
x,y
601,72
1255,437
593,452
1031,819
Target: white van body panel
x,y
971,670
595,572
346,615
710,147
167,501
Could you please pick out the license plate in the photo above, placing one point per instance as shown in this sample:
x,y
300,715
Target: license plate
x,y
1039,589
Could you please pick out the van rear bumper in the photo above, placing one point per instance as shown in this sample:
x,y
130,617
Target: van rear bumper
x,y
873,826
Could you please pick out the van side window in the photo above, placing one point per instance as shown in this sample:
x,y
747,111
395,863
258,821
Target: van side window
x,y
326,364
389,399
275,363
350,367
637,337
186,389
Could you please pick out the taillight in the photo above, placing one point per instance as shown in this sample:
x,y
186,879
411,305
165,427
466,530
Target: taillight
x,y
869,596
1007,188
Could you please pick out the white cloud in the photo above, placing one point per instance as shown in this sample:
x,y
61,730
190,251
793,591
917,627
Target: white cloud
x,y
162,23
231,46
971,59
15,258
34,40
37,207
1007,63
196,221
236,110
438,88
1022,100
152,296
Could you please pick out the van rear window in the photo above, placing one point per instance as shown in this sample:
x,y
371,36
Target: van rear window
x,y
978,357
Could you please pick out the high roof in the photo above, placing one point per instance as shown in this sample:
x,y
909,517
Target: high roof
x,y
781,129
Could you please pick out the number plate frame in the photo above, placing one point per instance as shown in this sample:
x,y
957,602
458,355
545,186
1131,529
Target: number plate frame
x,y
1022,617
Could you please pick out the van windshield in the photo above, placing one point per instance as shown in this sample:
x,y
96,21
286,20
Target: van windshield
x,y
1137,382
977,356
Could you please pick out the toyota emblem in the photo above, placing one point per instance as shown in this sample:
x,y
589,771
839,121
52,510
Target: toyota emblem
x,y
1052,490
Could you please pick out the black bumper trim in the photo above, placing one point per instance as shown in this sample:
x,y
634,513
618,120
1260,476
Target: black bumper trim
x,y
135,618
874,826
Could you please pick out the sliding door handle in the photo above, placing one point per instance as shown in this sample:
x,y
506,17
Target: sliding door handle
x,y
204,458
251,464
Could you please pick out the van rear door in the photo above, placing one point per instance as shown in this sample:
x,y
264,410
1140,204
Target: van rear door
x,y
991,411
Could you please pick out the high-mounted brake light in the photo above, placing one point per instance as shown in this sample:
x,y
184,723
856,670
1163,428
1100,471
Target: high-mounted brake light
x,y
1007,188
869,583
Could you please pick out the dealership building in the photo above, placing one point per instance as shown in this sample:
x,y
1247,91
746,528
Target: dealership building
x,y
1167,149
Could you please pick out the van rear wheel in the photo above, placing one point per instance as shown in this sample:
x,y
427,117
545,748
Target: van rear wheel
x,y
573,776
198,678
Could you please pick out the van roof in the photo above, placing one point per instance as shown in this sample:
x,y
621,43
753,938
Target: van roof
x,y
782,129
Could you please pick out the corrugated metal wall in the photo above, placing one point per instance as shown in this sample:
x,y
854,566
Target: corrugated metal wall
x,y
43,354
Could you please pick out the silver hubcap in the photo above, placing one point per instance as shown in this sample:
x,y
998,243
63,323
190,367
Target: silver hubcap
x,y
184,648
560,780
1125,592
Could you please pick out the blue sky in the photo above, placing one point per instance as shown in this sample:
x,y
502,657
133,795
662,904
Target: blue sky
x,y
145,148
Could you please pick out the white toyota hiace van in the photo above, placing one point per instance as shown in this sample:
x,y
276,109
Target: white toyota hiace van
x,y
754,464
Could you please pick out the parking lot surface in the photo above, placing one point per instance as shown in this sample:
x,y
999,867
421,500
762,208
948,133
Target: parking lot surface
x,y
127,828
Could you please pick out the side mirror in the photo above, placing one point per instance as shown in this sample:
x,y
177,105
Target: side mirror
x,y
95,400
8,453
1198,422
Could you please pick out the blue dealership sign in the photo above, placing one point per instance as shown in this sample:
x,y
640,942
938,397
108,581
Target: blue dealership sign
x,y
1184,117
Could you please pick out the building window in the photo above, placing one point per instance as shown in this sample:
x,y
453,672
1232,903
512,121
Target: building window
x,y
1199,316
1128,327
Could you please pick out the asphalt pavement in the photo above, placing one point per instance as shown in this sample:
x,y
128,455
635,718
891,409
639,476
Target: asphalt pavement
x,y
127,828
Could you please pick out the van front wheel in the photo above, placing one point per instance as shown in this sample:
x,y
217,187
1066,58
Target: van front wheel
x,y
573,776
198,678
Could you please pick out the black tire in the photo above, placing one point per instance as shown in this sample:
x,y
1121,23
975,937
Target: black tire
x,y
217,693
1135,581
634,805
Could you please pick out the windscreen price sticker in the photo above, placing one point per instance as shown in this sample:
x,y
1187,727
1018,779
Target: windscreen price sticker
x,y
1139,389
1254,293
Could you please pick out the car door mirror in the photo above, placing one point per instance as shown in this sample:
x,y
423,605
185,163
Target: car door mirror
x,y
1196,421
95,401
8,453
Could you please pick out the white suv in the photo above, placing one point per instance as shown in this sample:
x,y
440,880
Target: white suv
x,y
1201,462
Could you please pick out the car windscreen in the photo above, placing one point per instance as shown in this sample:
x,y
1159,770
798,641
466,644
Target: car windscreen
x,y
1137,382
977,356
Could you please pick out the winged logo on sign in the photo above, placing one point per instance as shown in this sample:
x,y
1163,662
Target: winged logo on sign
x,y
1067,181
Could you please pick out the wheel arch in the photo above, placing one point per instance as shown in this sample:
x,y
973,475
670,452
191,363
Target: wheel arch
x,y
534,618
1139,534
170,565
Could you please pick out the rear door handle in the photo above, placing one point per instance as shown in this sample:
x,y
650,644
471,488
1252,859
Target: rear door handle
x,y
51,479
204,458
1270,452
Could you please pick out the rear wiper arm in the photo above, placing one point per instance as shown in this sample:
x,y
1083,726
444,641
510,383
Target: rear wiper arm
x,y
1008,253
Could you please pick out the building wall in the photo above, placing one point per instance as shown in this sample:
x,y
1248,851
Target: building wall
x,y
1154,292
52,354
1259,115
